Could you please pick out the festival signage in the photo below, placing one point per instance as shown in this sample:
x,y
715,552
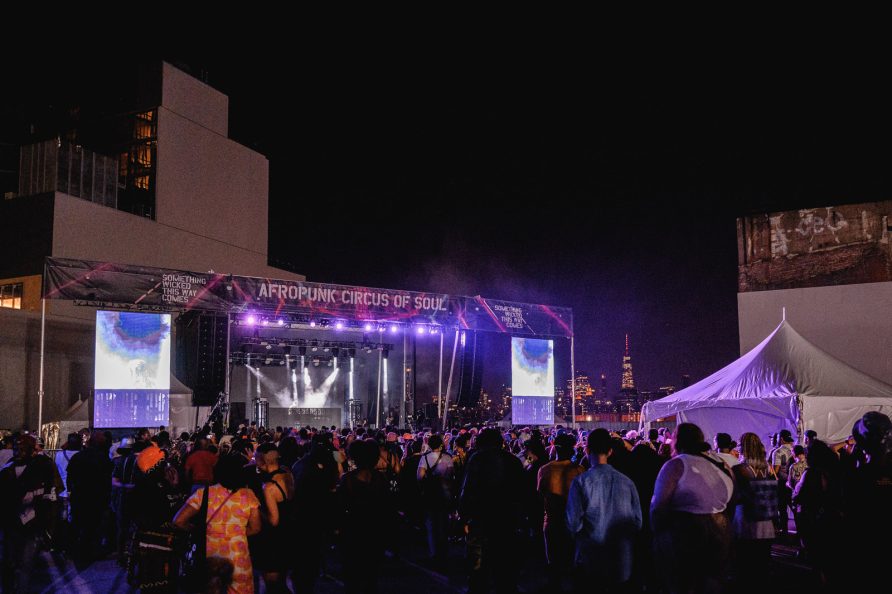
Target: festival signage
x,y
166,289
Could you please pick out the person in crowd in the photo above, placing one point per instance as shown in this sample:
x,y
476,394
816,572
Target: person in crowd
x,y
89,489
27,483
233,514
460,446
818,498
796,468
755,511
72,446
644,466
723,446
182,446
653,439
868,491
124,471
691,531
435,477
6,452
389,462
157,494
774,441
553,484
409,488
810,436
533,459
315,479
780,462
143,434
200,465
272,554
604,517
363,498
289,451
490,505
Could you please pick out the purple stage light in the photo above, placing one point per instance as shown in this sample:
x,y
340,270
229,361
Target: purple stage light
x,y
381,328
339,326
264,322
281,322
394,329
421,329
433,330
312,323
251,320
368,327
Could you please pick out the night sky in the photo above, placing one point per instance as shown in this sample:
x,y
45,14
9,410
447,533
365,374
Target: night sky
x,y
614,193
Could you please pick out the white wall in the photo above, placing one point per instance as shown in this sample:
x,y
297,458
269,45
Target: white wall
x,y
89,231
68,370
208,184
191,98
851,322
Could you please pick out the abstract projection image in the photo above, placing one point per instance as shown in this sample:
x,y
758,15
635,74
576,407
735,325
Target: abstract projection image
x,y
132,374
532,381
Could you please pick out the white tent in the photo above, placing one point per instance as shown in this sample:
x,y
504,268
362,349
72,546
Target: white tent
x,y
785,382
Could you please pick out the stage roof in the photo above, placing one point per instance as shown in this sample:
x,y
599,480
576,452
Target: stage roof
x,y
108,285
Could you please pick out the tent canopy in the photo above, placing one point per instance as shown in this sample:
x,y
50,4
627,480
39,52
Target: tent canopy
x,y
785,382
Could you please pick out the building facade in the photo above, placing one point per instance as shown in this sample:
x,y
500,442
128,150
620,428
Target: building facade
x,y
829,270
160,184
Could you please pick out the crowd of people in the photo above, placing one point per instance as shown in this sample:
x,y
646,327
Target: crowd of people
x,y
657,511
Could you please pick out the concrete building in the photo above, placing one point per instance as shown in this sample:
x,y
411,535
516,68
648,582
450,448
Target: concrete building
x,y
185,196
831,268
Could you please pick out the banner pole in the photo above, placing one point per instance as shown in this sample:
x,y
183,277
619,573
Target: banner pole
x,y
573,380
40,382
440,382
404,411
449,383
228,372
378,404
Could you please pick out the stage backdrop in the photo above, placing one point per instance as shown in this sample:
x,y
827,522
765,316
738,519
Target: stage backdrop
x,y
167,289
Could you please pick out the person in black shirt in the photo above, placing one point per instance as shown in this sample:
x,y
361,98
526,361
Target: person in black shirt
x,y
315,479
490,505
26,492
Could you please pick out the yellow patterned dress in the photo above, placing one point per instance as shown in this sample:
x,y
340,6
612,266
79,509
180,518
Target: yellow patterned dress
x,y
226,535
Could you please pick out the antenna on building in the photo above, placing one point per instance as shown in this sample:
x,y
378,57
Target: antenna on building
x,y
783,314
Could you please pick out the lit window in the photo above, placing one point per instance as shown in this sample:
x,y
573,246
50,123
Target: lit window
x,y
141,182
143,155
11,296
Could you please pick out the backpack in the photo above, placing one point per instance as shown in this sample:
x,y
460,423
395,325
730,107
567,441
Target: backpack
x,y
759,496
434,488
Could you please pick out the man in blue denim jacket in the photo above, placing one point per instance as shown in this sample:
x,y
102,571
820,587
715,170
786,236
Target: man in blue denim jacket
x,y
604,515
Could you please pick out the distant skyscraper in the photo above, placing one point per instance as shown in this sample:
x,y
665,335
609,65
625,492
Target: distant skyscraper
x,y
628,395
628,383
583,386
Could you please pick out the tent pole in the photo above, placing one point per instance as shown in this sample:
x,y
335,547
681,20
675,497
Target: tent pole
x,y
40,382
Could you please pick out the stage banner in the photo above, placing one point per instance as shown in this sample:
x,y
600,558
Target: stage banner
x,y
104,283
